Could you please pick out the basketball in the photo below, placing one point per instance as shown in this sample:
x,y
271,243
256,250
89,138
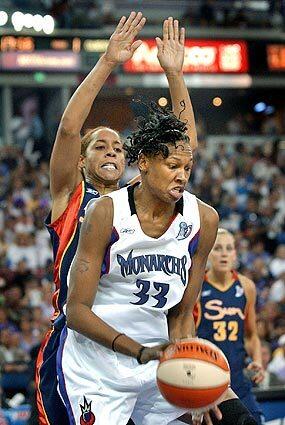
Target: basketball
x,y
193,374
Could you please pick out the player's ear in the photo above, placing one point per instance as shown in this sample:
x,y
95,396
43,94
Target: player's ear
x,y
81,163
143,163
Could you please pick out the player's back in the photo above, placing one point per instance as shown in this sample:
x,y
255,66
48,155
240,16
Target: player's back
x,y
221,313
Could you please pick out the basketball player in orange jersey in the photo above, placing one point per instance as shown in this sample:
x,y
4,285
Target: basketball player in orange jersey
x,y
226,316
83,169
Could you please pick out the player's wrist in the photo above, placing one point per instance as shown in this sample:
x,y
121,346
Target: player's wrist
x,y
173,72
109,62
139,355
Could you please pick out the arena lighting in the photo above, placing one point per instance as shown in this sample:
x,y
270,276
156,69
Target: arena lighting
x,y
3,18
217,101
260,107
269,110
37,22
18,21
162,101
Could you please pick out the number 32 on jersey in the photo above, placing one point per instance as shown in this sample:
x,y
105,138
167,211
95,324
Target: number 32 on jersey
x,y
226,330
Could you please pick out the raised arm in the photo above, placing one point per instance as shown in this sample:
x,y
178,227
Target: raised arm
x,y
64,172
180,318
171,58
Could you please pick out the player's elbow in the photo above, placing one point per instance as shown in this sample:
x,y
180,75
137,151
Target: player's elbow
x,y
72,312
68,128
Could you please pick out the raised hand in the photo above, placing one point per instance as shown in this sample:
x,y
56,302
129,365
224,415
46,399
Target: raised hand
x,y
171,47
122,46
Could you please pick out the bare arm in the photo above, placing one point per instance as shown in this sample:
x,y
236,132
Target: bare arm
x,y
64,171
180,318
171,58
84,280
252,341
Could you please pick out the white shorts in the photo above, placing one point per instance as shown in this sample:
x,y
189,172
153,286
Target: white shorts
x,y
99,385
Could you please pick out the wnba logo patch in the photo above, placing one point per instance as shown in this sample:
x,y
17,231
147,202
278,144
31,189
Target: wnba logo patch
x,y
184,231
87,417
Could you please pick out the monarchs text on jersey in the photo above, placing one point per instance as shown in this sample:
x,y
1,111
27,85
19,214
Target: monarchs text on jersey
x,y
143,277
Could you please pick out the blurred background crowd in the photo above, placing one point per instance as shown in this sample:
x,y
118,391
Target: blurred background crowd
x,y
224,13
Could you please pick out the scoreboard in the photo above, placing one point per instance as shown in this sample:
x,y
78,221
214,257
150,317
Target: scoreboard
x,y
21,53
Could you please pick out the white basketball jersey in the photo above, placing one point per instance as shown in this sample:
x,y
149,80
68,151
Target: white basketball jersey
x,y
143,277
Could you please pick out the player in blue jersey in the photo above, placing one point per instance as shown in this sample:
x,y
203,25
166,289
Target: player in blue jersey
x,y
226,316
84,169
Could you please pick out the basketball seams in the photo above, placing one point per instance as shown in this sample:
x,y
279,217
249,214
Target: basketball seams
x,y
181,353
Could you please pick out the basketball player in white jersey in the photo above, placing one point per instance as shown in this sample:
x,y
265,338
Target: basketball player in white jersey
x,y
134,282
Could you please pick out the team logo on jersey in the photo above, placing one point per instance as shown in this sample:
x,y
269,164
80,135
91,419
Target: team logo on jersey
x,y
87,417
215,310
92,191
184,231
239,292
206,293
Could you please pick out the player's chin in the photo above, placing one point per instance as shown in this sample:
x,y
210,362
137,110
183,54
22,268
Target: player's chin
x,y
110,175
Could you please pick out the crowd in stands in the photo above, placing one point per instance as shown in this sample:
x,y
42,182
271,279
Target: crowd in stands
x,y
97,13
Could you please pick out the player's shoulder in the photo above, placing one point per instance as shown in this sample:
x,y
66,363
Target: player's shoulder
x,y
247,284
117,194
101,208
208,214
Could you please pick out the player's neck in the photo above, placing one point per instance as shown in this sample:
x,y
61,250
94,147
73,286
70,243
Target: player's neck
x,y
220,278
150,204
102,187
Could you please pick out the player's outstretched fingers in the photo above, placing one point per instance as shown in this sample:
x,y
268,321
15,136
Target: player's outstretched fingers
x,y
217,413
139,27
121,24
207,419
128,22
170,28
165,31
176,30
197,419
134,22
182,36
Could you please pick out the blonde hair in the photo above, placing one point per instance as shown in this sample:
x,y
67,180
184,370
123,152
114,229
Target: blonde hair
x,y
222,231
88,137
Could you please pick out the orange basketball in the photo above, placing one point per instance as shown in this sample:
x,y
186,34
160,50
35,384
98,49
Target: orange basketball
x,y
193,374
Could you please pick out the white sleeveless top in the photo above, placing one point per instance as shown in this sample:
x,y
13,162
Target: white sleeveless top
x,y
143,277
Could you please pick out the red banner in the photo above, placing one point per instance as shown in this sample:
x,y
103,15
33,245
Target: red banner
x,y
201,56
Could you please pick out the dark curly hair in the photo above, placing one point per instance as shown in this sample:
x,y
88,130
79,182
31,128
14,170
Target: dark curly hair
x,y
159,129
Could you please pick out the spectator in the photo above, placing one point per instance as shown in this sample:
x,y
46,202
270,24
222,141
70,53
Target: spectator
x,y
270,378
277,365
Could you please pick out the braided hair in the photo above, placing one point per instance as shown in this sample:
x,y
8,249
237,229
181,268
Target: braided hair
x,y
159,129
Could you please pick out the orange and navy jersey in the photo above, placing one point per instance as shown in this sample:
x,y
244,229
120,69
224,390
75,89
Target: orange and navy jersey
x,y
64,233
220,315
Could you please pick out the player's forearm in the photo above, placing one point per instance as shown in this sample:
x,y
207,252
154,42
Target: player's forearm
x,y
81,319
179,93
181,326
253,347
81,102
